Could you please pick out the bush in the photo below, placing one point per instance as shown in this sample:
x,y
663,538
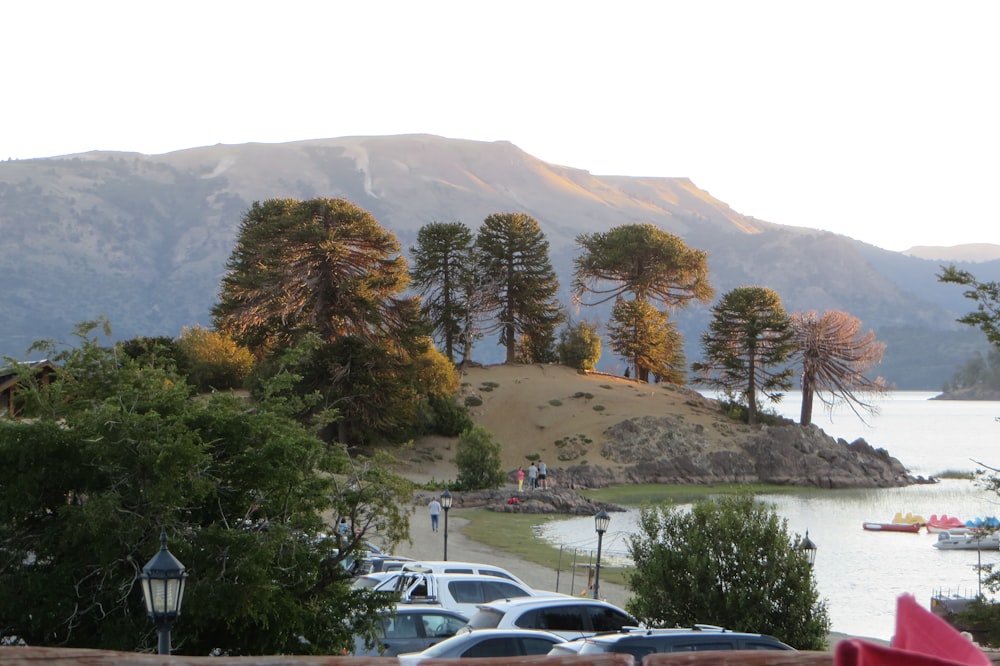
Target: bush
x,y
579,346
478,460
213,360
450,418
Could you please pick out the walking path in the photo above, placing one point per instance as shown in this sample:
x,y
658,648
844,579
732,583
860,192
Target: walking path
x,y
428,545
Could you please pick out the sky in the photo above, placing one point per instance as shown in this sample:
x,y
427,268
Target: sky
x,y
879,120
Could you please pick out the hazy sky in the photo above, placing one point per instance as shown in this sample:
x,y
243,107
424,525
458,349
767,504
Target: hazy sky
x,y
878,120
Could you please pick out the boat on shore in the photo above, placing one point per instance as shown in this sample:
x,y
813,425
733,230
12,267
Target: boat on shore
x,y
912,528
968,540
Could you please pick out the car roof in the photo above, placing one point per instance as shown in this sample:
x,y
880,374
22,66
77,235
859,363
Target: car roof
x,y
504,605
402,608
697,630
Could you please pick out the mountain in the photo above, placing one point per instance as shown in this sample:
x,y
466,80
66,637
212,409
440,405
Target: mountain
x,y
969,252
144,239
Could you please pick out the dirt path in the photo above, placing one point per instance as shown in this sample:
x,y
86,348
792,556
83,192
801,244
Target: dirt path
x,y
428,545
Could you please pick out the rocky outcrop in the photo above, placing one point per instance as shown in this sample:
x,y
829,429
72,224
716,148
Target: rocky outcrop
x,y
667,450
551,500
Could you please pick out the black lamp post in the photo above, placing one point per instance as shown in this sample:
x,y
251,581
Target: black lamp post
x,y
601,522
163,580
446,504
809,548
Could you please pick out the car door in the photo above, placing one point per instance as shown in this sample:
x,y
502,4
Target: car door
x,y
402,632
438,626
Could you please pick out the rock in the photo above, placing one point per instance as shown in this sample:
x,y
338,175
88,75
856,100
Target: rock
x,y
542,501
667,450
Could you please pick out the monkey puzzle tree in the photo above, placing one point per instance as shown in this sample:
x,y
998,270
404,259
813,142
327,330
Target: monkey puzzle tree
x,y
986,296
322,265
642,260
748,340
521,285
442,262
834,361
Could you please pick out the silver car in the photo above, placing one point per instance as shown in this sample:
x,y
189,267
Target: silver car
x,y
488,643
411,628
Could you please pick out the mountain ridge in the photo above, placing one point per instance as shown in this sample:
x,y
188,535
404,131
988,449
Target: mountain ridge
x,y
144,239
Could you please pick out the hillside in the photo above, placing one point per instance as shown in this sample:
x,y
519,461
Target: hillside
x,y
596,429
144,239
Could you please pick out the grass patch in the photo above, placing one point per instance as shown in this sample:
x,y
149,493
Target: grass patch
x,y
598,408
513,533
473,401
555,402
956,474
656,493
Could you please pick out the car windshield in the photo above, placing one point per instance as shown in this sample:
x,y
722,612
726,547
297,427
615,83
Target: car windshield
x,y
485,618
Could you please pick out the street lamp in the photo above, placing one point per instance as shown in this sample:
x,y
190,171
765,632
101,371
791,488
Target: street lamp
x,y
601,522
809,548
446,504
163,580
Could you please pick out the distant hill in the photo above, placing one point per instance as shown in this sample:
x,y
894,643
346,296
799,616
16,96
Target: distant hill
x,y
143,239
970,252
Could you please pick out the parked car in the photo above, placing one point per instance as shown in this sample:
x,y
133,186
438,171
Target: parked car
x,y
487,643
451,567
459,592
412,628
570,617
641,642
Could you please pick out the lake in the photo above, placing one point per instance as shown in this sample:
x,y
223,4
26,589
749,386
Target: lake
x,y
860,573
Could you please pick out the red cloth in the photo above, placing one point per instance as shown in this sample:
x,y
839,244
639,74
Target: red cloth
x,y
922,639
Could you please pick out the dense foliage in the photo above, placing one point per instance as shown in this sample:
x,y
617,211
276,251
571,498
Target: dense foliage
x,y
478,460
579,346
729,562
748,340
117,450
212,360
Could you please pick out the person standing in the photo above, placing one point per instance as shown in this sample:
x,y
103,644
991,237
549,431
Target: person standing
x,y
520,478
435,508
543,473
532,477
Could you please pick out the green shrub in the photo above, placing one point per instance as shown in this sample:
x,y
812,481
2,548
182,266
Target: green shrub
x,y
478,460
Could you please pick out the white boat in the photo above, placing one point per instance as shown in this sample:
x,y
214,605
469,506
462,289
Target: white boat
x,y
968,540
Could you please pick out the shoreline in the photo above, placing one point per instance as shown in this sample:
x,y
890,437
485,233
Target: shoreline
x,y
428,545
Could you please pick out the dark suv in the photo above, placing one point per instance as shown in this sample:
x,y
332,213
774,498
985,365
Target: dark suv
x,y
640,642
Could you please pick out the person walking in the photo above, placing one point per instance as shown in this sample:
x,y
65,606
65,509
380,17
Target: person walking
x,y
543,473
520,478
435,508
532,477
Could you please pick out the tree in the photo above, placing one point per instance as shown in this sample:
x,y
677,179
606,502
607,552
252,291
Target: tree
x,y
118,450
730,562
322,265
648,340
642,260
579,346
212,360
478,460
986,296
652,265
835,360
748,340
513,253
442,262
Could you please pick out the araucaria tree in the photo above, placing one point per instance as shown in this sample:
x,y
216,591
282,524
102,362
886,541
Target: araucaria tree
x,y
322,265
654,267
322,277
986,295
746,346
835,360
443,261
521,286
730,562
